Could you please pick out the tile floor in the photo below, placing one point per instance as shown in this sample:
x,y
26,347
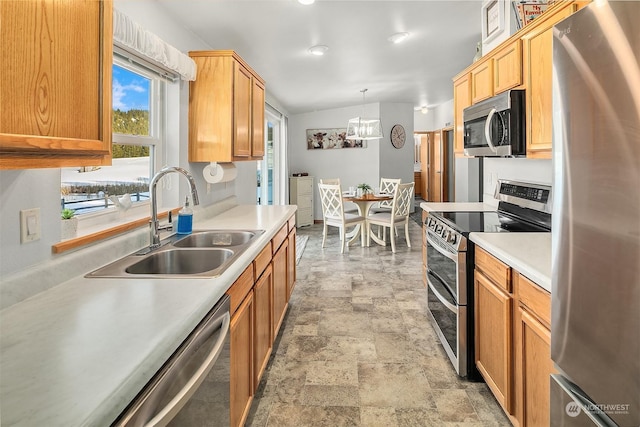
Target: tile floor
x,y
357,349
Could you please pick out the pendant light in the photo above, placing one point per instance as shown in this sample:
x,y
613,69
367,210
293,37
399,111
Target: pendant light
x,y
365,129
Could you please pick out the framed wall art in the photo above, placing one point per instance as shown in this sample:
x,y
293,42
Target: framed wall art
x,y
329,139
493,12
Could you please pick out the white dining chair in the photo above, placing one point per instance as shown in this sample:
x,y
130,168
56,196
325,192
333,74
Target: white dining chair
x,y
335,216
334,181
398,215
387,185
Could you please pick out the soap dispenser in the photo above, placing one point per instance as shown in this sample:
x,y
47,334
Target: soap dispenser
x,y
185,218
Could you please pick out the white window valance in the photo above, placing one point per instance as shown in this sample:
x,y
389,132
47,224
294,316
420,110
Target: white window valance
x,y
132,37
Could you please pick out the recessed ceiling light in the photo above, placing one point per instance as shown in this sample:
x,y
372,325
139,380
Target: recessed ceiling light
x,y
318,50
306,2
398,37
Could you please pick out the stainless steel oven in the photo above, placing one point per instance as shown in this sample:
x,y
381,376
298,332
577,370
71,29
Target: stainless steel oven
x,y
523,207
448,284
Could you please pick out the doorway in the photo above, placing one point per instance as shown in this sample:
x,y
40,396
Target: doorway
x,y
271,169
436,165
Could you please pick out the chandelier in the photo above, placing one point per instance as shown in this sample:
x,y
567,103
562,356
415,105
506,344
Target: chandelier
x,y
364,129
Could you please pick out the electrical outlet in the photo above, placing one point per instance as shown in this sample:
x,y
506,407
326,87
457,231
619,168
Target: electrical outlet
x,y
29,225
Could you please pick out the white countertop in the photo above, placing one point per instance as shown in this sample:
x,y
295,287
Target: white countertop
x,y
78,353
457,207
528,253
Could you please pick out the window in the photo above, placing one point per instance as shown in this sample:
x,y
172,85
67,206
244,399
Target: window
x,y
138,132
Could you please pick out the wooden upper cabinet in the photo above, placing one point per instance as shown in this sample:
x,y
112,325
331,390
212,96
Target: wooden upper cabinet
x,y
55,90
257,114
507,67
226,109
482,82
461,100
537,61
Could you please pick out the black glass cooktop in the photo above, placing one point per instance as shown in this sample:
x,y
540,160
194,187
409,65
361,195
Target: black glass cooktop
x,y
487,222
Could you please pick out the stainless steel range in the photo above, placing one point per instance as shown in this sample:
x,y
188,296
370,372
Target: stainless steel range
x,y
523,207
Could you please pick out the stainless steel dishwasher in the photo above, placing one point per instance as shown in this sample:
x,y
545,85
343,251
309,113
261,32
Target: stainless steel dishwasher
x,y
192,387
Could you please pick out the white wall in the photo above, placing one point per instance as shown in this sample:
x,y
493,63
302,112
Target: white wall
x,y
529,170
354,165
396,163
436,118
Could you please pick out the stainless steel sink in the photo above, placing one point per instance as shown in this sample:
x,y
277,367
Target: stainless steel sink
x,y
181,261
203,254
215,239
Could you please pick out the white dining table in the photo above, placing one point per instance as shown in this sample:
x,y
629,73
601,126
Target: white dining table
x,y
364,204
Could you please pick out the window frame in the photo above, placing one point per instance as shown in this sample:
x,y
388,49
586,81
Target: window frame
x,y
104,218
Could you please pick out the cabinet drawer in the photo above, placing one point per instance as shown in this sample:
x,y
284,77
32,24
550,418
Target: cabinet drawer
x,y
280,237
304,203
262,261
240,288
494,269
536,299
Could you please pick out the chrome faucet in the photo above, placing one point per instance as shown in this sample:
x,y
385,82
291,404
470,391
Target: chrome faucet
x,y
155,229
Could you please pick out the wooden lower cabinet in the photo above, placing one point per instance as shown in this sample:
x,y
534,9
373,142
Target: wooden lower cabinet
x,y
257,311
280,295
513,340
263,323
533,355
241,393
493,315
291,263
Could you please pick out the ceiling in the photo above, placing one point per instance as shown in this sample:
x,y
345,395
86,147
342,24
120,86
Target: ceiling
x,y
273,37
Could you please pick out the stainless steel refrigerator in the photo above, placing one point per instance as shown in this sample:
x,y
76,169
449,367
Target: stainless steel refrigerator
x,y
595,329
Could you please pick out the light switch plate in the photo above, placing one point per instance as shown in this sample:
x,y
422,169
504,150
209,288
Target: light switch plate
x,y
29,225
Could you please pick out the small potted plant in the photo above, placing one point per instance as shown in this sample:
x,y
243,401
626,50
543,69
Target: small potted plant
x,y
69,224
365,189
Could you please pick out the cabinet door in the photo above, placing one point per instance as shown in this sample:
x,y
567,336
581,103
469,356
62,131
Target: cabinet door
x,y
507,67
241,361
263,323
279,286
461,100
538,56
493,320
291,263
534,367
55,90
257,119
482,82
241,111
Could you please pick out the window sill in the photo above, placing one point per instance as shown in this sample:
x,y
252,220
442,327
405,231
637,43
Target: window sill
x,y
106,233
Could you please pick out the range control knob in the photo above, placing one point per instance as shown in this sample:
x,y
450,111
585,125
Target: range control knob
x,y
452,238
439,228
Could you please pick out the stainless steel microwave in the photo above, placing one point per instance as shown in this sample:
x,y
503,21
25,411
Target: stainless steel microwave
x,y
495,127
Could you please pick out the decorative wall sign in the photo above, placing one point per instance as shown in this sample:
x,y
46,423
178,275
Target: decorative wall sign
x,y
325,139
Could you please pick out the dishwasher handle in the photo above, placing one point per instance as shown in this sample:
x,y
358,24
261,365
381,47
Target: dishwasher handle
x,y
167,413
146,410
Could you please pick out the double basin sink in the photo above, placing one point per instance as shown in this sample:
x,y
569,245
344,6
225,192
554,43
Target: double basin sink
x,y
204,254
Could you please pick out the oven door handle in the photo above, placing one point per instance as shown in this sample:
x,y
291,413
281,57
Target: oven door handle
x,y
440,297
436,245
